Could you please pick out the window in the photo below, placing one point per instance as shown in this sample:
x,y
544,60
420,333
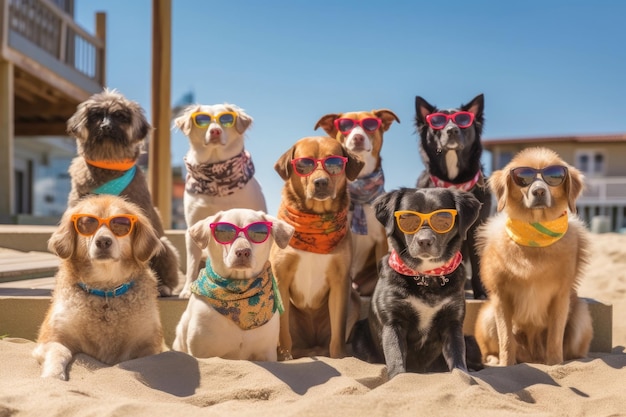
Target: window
x,y
592,163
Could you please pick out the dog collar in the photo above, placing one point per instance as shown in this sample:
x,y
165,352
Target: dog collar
x,y
538,234
250,303
317,233
219,179
464,186
117,185
116,292
123,165
363,191
397,264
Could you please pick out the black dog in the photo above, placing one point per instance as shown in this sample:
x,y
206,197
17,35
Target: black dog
x,y
416,315
451,148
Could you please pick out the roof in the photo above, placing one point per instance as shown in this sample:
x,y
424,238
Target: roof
x,y
490,143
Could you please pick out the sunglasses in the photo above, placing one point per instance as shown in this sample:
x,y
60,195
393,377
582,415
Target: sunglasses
x,y
345,125
553,175
333,164
87,225
203,120
462,119
226,233
441,221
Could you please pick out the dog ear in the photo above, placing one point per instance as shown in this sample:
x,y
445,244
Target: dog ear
x,y
281,231
499,184
243,121
328,124
77,124
183,122
387,117
476,106
200,232
283,165
63,241
354,165
422,109
146,243
468,209
140,124
384,207
574,185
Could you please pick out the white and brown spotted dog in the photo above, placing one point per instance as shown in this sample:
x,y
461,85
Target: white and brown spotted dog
x,y
313,271
104,302
233,311
220,172
533,254
361,132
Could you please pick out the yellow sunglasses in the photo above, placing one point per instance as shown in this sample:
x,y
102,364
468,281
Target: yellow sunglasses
x,y
441,221
202,120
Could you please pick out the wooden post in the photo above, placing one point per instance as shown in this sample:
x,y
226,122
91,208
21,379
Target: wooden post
x,y
159,160
101,33
7,129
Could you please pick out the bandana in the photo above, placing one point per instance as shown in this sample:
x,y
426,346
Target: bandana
x,y
539,234
219,179
250,303
363,191
397,264
317,233
117,185
464,186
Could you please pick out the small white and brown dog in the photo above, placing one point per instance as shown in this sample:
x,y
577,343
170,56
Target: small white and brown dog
x,y
233,311
361,132
220,172
104,302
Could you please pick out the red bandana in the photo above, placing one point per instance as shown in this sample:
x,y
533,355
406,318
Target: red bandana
x,y
465,186
396,263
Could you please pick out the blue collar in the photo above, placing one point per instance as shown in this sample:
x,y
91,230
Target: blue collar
x,y
117,185
116,292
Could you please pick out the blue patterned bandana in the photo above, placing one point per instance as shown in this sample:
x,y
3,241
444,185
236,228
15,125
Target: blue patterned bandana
x,y
363,191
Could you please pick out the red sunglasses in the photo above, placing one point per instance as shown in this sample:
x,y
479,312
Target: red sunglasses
x,y
333,164
345,125
462,119
226,233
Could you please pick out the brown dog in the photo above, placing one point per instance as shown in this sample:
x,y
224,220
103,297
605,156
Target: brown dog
x,y
362,133
110,131
312,272
104,302
533,254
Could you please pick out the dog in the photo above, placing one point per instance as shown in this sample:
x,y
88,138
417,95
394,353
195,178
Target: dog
x,y
220,172
233,311
415,321
104,302
110,131
362,134
313,271
533,255
451,147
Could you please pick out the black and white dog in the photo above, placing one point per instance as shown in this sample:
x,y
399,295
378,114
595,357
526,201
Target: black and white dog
x,y
415,322
450,145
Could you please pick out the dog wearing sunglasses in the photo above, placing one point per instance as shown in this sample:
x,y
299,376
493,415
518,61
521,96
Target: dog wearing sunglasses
x,y
362,134
220,172
451,148
110,131
533,254
313,271
104,302
233,311
415,321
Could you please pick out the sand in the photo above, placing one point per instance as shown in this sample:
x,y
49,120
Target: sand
x,y
175,384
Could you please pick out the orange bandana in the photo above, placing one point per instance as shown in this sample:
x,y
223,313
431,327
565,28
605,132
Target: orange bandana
x,y
317,233
124,165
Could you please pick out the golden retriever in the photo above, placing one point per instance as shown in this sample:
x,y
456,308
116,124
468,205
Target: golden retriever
x,y
533,254
104,302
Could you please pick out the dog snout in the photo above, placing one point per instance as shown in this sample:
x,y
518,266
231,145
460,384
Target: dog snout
x,y
243,253
215,131
425,242
359,140
104,242
539,195
321,184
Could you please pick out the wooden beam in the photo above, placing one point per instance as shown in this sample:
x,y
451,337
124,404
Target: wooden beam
x,y
159,162
101,33
40,129
7,181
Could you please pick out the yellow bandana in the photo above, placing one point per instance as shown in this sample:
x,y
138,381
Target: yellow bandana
x,y
539,234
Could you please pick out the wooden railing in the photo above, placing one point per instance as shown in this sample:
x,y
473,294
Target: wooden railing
x,y
54,31
608,190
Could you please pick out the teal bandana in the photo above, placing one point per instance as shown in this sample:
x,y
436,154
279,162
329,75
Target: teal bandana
x,y
117,185
250,303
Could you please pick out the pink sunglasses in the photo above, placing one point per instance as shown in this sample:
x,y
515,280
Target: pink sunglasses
x,y
226,233
345,125
462,119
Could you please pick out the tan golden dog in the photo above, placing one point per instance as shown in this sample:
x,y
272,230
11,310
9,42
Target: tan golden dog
x,y
533,254
361,132
104,302
312,272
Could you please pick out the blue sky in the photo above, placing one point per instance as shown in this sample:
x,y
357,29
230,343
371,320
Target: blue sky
x,y
545,67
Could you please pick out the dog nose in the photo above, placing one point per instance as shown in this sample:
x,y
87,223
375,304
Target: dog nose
x,y
321,183
104,242
215,131
359,140
243,253
425,241
539,192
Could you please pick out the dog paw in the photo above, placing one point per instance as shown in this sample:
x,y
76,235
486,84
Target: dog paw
x,y
284,355
164,291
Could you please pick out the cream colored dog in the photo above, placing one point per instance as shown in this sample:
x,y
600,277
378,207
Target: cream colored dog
x,y
104,302
233,312
220,172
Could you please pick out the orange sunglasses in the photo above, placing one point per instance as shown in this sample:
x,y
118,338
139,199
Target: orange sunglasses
x,y
87,224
